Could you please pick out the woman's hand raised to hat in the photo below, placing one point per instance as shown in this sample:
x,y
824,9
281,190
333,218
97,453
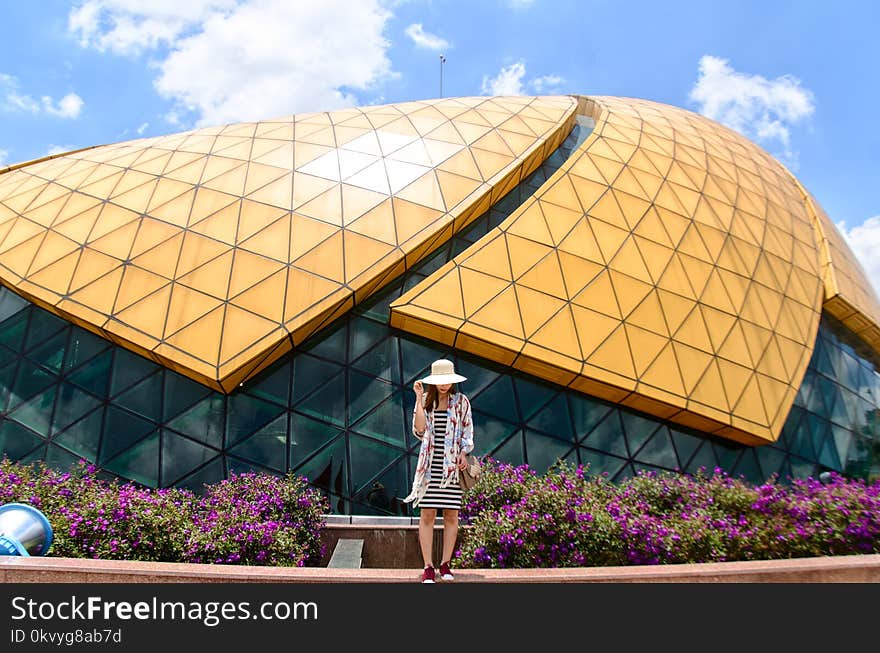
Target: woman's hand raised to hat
x,y
419,389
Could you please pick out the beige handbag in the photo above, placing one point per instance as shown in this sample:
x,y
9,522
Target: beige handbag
x,y
469,476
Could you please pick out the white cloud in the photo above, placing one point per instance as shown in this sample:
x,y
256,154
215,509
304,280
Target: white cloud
x,y
508,81
68,107
230,62
546,83
12,100
751,104
864,240
132,26
3,155
58,149
143,128
172,118
424,39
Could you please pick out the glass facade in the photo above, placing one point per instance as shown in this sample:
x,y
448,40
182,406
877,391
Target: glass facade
x,y
338,410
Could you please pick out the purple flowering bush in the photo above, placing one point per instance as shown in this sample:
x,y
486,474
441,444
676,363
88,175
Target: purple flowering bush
x,y
258,519
247,519
567,518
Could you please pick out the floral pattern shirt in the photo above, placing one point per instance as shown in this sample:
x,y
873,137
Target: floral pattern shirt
x,y
459,437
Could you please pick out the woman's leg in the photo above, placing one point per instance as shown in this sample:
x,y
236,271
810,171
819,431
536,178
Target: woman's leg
x,y
450,533
427,517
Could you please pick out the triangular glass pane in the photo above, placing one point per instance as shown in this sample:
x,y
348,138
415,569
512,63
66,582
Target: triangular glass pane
x,y
801,441
211,473
802,398
310,373
498,399
843,438
819,430
727,454
367,458
828,453
417,359
83,346
511,451
432,263
268,446
328,469
273,384
59,458
703,458
772,460
307,436
84,436
384,494
50,354
600,463
10,304
43,326
34,455
36,413
625,472
532,397
139,463
180,456
685,446
180,393
204,421
608,436
387,422
12,331
364,334
801,468
128,369
145,398
839,413
72,404
478,376
377,307
543,451
29,381
658,451
748,466
328,403
239,466
489,432
16,441
246,415
94,375
328,343
7,376
121,430
586,413
365,392
554,419
637,428
821,360
7,355
822,397
382,361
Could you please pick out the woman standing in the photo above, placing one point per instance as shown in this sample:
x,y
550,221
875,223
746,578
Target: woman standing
x,y
442,420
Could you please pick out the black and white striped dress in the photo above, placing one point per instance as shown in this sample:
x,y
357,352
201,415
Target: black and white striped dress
x,y
435,497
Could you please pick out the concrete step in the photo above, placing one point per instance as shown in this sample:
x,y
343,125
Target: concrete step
x,y
347,553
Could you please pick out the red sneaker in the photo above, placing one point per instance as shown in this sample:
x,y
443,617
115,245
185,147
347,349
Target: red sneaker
x,y
428,574
445,572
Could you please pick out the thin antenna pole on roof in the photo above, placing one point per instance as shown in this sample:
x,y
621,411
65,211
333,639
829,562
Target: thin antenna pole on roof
x,y
442,61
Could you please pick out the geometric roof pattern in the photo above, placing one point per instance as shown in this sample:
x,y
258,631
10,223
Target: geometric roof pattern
x,y
849,295
215,251
670,265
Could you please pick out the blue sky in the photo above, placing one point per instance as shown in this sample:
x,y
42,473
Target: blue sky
x,y
802,79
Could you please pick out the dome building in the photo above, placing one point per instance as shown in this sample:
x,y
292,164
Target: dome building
x,y
624,283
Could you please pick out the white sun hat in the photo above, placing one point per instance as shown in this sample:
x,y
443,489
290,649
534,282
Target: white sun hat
x,y
442,372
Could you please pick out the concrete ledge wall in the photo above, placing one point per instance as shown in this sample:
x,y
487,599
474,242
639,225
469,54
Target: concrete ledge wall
x,y
842,569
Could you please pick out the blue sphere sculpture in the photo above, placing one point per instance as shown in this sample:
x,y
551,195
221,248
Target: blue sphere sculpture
x,y
24,531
